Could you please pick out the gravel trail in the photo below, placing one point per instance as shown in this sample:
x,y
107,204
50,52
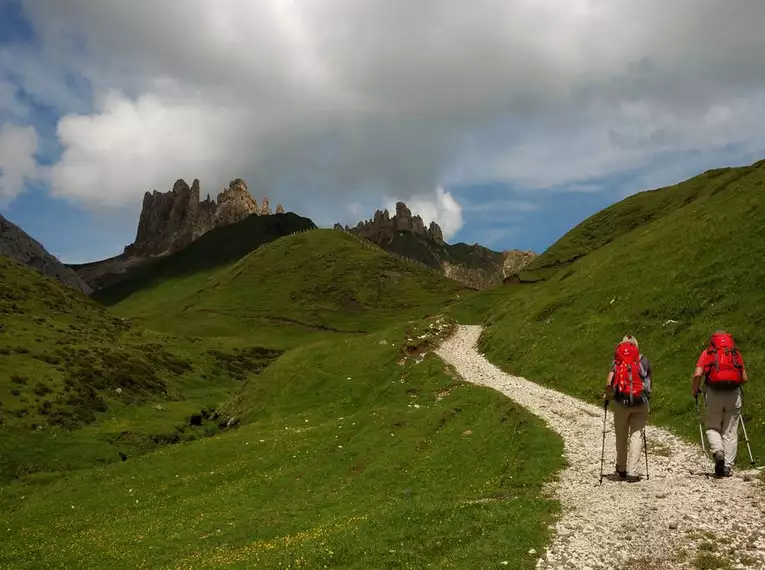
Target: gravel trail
x,y
667,521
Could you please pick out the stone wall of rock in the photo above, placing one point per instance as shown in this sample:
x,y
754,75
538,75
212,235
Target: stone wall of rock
x,y
382,225
516,260
170,221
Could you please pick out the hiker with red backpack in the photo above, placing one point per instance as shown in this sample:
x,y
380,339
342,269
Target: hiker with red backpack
x,y
629,384
724,374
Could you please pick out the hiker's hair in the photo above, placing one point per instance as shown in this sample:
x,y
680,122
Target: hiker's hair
x,y
632,339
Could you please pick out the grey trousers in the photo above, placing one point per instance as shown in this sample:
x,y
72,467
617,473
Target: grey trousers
x,y
721,419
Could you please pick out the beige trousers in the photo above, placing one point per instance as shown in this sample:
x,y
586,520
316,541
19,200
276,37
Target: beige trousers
x,y
721,419
629,422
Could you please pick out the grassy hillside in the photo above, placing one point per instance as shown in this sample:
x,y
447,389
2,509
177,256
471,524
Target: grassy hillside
x,y
79,385
297,287
630,214
348,456
669,266
218,248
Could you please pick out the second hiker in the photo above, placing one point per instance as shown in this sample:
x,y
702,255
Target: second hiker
x,y
629,385
723,371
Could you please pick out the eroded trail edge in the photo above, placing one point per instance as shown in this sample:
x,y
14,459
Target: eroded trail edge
x,y
667,521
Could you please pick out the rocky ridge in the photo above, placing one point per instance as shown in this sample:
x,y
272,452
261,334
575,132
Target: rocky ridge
x,y
383,225
407,235
171,220
16,244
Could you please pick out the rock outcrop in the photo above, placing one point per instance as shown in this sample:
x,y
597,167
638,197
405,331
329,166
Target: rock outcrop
x,y
406,235
382,226
16,244
171,220
516,260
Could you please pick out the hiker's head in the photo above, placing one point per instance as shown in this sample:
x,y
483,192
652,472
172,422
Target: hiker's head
x,y
720,332
631,339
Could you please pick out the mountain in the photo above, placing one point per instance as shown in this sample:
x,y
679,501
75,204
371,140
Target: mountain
x,y
320,280
670,266
406,235
219,247
62,356
169,222
18,245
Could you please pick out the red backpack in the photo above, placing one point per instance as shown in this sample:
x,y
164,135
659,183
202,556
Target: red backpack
x,y
726,369
627,384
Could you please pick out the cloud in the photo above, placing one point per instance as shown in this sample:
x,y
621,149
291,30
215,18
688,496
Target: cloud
x,y
10,105
338,101
17,161
441,208
161,139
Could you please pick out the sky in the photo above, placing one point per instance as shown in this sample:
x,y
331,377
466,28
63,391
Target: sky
x,y
508,122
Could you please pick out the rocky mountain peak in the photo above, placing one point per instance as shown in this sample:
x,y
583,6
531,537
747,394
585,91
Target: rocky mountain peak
x,y
382,225
170,221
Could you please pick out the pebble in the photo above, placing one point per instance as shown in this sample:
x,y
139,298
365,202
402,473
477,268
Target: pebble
x,y
594,516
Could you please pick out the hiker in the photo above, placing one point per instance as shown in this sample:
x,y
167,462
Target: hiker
x,y
723,370
629,385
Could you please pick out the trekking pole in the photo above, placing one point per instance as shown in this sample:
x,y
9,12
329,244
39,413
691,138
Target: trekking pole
x,y
603,450
746,439
645,447
701,431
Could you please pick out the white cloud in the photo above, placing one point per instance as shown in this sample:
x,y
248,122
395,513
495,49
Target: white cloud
x,y
441,208
17,161
129,147
339,100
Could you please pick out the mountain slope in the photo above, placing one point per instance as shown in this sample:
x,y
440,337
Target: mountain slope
x,y
216,248
631,213
351,458
18,245
79,385
63,358
321,280
692,262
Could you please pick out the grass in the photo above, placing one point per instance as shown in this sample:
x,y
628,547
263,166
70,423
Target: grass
x,y
668,266
215,249
285,417
80,386
294,290
341,460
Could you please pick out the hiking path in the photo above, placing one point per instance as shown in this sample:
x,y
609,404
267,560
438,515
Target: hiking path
x,y
680,513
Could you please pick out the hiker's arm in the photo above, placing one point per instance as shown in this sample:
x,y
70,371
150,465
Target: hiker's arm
x,y
607,389
697,374
743,375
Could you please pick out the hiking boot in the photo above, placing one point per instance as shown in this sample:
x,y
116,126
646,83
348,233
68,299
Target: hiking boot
x,y
719,463
726,472
621,474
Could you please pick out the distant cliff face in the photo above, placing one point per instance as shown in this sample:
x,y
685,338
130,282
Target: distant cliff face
x,y
383,226
19,246
406,235
171,220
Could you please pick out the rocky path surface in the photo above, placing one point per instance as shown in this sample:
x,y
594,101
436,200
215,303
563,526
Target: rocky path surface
x,y
678,514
